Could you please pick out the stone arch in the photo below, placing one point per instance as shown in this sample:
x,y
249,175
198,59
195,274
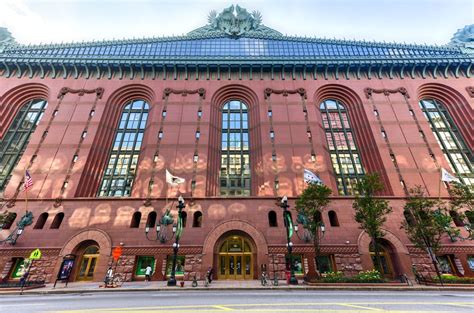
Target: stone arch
x,y
360,125
98,236
97,159
12,100
223,228
455,103
401,258
222,95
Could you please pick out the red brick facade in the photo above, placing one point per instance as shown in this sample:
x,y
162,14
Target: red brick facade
x,y
105,222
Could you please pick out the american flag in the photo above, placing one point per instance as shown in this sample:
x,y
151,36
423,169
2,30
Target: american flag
x,y
28,181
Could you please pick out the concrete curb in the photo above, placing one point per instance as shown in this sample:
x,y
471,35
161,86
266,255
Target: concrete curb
x,y
204,289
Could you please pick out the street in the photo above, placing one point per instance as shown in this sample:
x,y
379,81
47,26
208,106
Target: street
x,y
242,301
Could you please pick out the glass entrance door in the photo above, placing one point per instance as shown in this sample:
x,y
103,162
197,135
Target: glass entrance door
x,y
88,263
235,259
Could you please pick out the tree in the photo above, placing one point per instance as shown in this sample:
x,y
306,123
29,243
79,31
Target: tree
x,y
424,226
462,197
370,211
310,206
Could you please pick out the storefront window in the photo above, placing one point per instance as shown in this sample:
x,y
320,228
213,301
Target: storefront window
x,y
297,263
325,263
470,262
142,264
445,265
20,268
179,265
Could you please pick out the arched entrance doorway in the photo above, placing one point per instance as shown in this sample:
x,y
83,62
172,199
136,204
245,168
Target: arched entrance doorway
x,y
386,260
88,263
235,258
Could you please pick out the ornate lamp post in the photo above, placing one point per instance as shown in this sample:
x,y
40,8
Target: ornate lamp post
x,y
179,231
26,220
289,232
163,235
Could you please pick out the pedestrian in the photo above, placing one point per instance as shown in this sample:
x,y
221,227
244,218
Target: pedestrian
x,y
148,271
210,271
109,276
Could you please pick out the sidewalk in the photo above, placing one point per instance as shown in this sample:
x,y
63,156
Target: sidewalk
x,y
93,287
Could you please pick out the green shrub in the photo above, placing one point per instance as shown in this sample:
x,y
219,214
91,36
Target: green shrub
x,y
450,279
372,276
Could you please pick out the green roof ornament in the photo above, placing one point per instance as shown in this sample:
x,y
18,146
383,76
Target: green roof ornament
x,y
6,38
464,38
234,22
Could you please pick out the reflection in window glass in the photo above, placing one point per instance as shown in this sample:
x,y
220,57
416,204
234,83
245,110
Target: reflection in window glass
x,y
450,140
342,146
16,138
235,158
123,160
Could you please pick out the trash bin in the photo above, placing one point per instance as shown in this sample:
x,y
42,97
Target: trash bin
x,y
288,276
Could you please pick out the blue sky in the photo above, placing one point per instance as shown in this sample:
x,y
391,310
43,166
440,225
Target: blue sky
x,y
411,21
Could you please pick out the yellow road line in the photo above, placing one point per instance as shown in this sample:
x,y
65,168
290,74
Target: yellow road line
x,y
360,307
222,307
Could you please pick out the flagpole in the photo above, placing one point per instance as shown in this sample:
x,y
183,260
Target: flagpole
x,y
439,183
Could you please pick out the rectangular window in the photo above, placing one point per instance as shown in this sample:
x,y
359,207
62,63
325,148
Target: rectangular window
x,y
84,134
74,158
298,266
179,269
384,134
142,263
376,113
91,113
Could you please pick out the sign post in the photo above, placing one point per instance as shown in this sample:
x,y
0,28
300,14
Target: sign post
x,y
66,269
34,255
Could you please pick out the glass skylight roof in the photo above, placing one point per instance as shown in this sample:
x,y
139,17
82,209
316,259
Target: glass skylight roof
x,y
229,47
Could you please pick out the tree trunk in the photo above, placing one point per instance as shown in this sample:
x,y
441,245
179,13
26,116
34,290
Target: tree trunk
x,y
378,261
317,250
435,263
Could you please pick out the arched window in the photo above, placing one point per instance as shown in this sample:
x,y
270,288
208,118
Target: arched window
x,y
41,221
235,158
9,219
122,165
449,139
342,146
197,219
184,218
58,219
136,217
151,220
272,219
15,140
333,221
409,218
456,218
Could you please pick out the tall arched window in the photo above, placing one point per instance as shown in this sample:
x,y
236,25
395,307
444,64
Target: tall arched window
x,y
15,140
58,219
449,139
342,146
41,221
197,219
136,218
122,165
235,158
151,220
272,219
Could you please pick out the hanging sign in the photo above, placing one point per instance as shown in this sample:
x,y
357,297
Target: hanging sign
x,y
35,255
116,253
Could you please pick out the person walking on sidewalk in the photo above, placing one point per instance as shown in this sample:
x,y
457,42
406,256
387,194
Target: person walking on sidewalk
x,y
109,276
148,271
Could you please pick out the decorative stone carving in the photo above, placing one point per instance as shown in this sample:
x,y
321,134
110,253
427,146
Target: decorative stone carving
x,y
369,91
234,22
184,92
65,90
464,38
6,38
470,91
285,92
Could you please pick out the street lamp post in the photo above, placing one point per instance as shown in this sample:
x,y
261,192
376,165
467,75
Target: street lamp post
x,y
181,206
289,232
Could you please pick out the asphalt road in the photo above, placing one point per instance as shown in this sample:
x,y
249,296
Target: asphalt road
x,y
242,301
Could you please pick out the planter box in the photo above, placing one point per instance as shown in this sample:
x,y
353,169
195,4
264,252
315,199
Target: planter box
x,y
358,284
